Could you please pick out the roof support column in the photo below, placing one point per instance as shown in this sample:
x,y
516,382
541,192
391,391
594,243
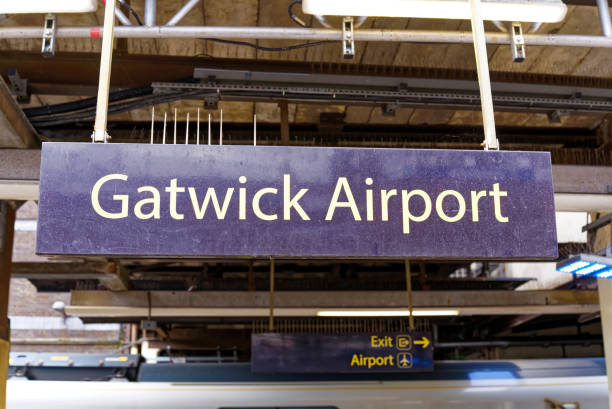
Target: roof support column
x,y
7,225
604,286
605,302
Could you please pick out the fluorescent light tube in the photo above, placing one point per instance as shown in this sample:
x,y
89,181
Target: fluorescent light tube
x,y
587,265
47,6
544,11
607,273
386,313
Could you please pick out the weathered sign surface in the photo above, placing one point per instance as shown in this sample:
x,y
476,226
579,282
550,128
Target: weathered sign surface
x,y
246,201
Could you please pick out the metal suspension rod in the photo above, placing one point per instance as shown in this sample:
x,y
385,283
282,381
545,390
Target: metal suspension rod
x,y
271,317
106,60
286,33
604,17
150,14
409,294
484,80
182,12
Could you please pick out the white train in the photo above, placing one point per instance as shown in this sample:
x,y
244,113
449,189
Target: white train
x,y
523,384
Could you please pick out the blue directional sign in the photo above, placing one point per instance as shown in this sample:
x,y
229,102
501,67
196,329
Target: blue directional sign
x,y
293,202
338,353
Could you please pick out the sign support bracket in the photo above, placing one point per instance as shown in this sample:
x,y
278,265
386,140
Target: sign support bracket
x,y
106,61
409,293
272,268
484,80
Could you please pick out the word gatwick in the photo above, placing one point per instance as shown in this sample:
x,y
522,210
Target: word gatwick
x,y
183,200
150,207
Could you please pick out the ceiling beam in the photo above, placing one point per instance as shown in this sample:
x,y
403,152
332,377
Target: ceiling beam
x,y
20,169
211,304
81,69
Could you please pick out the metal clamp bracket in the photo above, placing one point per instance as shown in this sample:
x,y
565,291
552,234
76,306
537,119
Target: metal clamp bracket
x,y
211,101
348,38
19,86
518,42
49,32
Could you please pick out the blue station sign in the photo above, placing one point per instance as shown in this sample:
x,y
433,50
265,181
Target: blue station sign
x,y
331,353
293,202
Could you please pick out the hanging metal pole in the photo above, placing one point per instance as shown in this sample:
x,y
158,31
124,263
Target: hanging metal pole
x,y
271,323
484,80
221,128
604,17
409,291
106,61
175,126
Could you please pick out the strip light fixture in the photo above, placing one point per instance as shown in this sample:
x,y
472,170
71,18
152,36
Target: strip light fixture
x,y
587,265
47,6
543,11
387,313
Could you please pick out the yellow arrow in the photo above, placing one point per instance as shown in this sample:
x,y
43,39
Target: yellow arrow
x,y
424,342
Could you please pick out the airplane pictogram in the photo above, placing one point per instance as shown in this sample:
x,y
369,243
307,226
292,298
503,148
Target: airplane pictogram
x,y
404,360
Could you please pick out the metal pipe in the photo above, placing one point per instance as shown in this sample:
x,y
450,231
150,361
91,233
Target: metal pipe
x,y
182,12
106,60
359,21
150,12
122,17
535,27
501,26
287,33
484,80
323,21
604,17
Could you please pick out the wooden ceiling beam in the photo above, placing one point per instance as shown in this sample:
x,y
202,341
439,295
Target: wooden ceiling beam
x,y
15,129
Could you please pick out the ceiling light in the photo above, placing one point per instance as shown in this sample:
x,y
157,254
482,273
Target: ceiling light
x,y
46,6
386,313
587,265
544,11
